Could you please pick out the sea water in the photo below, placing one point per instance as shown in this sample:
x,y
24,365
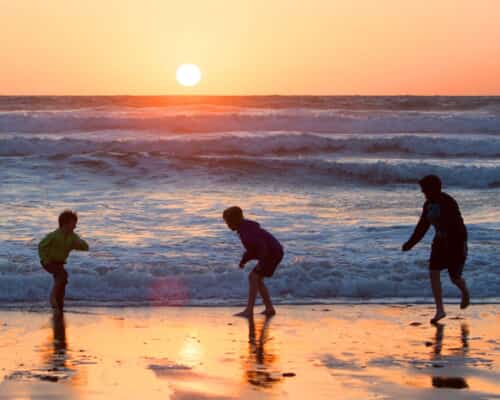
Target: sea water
x,y
333,178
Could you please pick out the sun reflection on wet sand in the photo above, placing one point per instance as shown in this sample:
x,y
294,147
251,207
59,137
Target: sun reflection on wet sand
x,y
317,352
455,382
260,363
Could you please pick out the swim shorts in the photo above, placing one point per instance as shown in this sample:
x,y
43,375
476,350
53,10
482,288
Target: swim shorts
x,y
449,255
266,268
57,270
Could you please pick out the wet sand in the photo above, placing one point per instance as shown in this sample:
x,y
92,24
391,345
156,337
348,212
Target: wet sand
x,y
317,352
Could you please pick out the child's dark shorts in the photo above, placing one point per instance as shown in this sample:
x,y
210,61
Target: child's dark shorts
x,y
266,268
448,255
57,271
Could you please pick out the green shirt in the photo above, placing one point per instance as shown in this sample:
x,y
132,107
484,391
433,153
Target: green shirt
x,y
55,247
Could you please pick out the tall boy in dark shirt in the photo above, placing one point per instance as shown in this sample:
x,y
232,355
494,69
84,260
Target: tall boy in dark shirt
x,y
449,247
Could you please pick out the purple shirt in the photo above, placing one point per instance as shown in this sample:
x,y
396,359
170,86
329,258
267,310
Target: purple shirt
x,y
259,243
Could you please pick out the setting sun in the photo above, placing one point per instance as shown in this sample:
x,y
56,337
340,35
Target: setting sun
x,y
188,74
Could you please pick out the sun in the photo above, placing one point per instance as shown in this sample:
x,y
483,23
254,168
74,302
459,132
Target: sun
x,y
188,74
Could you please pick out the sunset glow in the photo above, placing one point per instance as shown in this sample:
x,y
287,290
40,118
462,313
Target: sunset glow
x,y
246,48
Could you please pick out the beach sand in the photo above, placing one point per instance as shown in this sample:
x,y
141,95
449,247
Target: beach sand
x,y
304,352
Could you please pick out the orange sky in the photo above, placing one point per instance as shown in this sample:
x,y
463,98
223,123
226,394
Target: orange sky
x,y
250,46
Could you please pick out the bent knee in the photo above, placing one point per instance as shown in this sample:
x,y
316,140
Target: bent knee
x,y
435,273
62,278
254,277
457,280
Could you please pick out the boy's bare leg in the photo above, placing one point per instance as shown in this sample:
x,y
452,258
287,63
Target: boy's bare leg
x,y
59,291
53,296
61,295
266,298
438,295
253,282
460,283
55,299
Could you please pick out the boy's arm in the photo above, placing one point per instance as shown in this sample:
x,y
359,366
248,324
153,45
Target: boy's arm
x,y
246,257
80,244
248,254
419,232
44,248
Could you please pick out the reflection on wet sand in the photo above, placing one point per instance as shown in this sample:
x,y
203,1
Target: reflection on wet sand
x,y
57,356
260,360
60,345
55,353
449,381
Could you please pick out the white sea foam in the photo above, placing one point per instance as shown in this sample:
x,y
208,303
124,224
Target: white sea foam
x,y
307,120
334,263
327,159
258,144
150,183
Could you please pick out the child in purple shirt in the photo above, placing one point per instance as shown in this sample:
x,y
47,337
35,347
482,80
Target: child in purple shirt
x,y
259,245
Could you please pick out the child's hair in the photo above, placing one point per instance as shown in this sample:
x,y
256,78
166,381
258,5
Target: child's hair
x,y
233,214
67,216
430,183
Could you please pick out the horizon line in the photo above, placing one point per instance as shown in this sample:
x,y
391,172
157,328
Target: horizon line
x,y
249,95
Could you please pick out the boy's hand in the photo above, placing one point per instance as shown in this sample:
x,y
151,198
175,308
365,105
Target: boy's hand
x,y
242,264
407,246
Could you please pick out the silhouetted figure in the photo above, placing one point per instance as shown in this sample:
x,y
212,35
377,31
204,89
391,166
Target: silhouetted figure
x,y
449,247
259,361
453,382
54,250
260,245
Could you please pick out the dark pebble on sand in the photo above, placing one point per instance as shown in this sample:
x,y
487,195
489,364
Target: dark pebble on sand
x,y
416,324
49,378
428,344
289,374
230,323
326,309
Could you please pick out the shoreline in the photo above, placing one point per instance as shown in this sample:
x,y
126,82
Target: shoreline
x,y
70,305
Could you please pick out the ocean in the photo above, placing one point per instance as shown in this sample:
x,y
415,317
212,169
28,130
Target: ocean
x,y
333,178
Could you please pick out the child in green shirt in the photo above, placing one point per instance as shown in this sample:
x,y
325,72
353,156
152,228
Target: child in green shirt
x,y
54,249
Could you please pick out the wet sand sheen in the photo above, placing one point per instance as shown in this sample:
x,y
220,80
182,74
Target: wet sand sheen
x,y
341,351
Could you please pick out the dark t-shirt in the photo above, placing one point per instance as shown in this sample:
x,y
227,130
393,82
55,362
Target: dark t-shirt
x,y
259,243
446,218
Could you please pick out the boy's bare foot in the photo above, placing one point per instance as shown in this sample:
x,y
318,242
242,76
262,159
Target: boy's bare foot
x,y
465,301
439,315
269,313
244,314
